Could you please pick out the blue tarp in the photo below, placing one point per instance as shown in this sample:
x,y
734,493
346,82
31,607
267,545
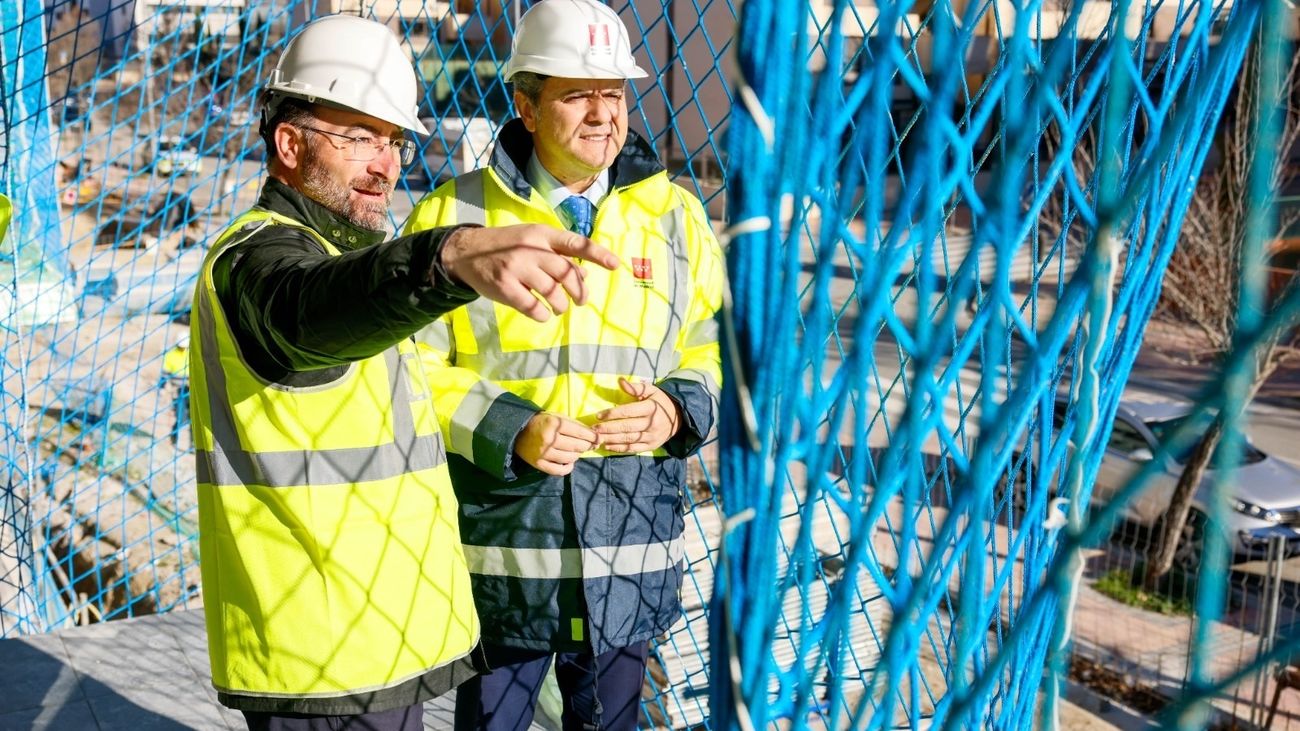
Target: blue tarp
x,y
29,179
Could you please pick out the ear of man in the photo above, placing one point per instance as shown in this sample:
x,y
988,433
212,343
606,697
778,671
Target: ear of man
x,y
527,111
290,145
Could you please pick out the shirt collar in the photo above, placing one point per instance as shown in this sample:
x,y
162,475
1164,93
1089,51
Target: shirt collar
x,y
554,192
635,163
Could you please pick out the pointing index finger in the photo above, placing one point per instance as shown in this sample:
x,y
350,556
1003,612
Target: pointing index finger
x,y
584,248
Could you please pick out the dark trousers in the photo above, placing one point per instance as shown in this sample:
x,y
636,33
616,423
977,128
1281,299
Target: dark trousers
x,y
410,718
601,692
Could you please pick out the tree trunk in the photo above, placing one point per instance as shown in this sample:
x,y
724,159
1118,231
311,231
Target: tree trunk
x,y
1160,554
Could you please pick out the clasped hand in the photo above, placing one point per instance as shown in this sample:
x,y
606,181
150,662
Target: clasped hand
x,y
553,443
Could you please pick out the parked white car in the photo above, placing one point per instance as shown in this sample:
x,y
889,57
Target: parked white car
x,y
1265,490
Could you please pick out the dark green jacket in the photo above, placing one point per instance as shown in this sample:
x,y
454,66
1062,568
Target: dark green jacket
x,y
301,315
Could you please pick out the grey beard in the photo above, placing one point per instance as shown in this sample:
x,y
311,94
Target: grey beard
x,y
323,188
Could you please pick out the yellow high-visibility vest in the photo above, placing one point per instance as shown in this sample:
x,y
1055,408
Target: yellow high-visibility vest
x,y
176,361
652,318
331,557
6,215
595,556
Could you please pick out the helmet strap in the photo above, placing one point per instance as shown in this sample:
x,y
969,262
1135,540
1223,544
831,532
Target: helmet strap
x,y
270,105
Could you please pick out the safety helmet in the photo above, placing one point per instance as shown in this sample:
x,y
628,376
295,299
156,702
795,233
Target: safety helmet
x,y
573,39
350,62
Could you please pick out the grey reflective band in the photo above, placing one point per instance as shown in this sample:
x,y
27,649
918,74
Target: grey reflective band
x,y
437,335
352,465
525,563
469,413
704,378
402,367
227,464
416,383
469,198
673,224
482,314
633,560
612,360
575,563
208,464
704,332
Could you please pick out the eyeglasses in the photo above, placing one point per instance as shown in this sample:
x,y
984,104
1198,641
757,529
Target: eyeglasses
x,y
366,148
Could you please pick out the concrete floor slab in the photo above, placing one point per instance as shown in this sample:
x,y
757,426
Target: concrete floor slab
x,y
47,678
142,674
75,714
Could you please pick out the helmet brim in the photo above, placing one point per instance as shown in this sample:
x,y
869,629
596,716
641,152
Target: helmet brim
x,y
560,69
410,122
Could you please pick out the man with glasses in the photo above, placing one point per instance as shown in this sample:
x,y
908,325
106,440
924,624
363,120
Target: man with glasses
x,y
335,588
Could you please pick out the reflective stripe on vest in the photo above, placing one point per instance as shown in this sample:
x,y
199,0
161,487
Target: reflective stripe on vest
x,y
575,563
704,332
472,410
470,198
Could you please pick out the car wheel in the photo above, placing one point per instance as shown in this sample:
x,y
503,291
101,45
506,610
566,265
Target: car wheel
x,y
1191,543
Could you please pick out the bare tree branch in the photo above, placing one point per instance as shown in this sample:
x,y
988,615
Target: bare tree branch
x,y
1204,275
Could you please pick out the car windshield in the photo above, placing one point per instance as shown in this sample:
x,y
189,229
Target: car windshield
x,y
1165,427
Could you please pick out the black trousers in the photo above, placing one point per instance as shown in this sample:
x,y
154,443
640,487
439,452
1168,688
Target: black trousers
x,y
601,692
410,718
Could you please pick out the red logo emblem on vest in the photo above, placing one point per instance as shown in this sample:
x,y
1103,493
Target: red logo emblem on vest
x,y
642,272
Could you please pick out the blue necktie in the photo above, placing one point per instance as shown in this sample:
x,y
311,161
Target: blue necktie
x,y
580,211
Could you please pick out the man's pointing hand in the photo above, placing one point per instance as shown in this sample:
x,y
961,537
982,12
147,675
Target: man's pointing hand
x,y
514,264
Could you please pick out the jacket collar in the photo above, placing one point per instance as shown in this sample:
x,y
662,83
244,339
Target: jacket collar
x,y
634,163
278,197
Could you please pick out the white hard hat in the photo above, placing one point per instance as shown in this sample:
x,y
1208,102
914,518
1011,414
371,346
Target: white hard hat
x,y
350,62
573,39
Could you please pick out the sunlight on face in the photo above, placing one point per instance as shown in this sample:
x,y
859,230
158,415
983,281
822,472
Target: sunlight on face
x,y
578,126
359,191
325,183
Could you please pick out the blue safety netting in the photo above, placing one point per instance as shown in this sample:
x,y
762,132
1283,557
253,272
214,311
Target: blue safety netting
x,y
974,272
946,228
